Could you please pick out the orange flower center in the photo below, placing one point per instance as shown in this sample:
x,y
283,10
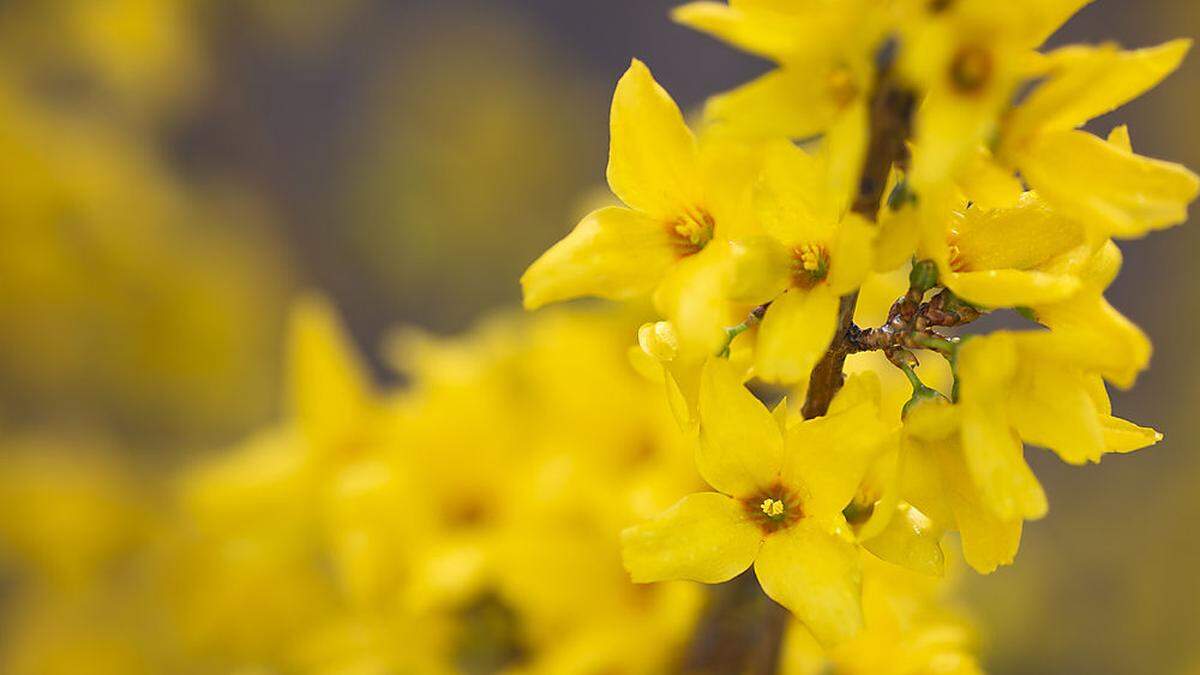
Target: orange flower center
x,y
775,508
971,69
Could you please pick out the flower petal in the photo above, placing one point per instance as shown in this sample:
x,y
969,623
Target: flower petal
x,y
768,34
830,455
706,537
741,448
993,452
988,540
612,253
787,103
1089,81
328,383
1120,436
910,540
1011,288
693,295
1052,408
653,158
850,256
817,576
1100,335
791,199
795,334
1113,191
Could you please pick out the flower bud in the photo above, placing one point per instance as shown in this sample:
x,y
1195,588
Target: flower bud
x,y
659,340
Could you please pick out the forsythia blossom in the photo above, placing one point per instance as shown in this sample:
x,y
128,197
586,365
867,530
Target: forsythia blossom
x,y
931,138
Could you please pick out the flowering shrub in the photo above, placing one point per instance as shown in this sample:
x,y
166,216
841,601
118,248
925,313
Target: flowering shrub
x,y
749,464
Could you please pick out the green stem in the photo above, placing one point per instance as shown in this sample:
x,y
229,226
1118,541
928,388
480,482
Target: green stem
x,y
731,333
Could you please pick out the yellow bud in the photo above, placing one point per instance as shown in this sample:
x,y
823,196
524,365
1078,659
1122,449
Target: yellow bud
x,y
659,340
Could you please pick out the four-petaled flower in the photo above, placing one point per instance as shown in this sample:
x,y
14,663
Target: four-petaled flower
x,y
781,489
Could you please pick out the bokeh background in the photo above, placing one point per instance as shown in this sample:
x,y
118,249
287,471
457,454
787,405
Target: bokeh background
x,y
173,172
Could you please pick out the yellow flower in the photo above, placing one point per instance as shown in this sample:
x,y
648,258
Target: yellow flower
x,y
1117,349
968,58
815,251
964,464
1020,255
938,481
825,52
778,503
683,197
907,632
1105,186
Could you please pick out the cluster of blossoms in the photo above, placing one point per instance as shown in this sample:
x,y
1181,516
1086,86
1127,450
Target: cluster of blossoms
x,y
922,151
468,522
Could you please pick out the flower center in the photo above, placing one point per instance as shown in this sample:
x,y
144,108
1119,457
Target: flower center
x,y
971,69
692,232
810,264
840,83
773,508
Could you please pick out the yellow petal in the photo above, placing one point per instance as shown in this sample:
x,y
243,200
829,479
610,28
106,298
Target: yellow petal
x,y
1044,17
850,257
817,576
653,158
1011,288
787,103
706,537
795,333
741,448
694,296
791,200
988,540
921,481
328,383
762,269
860,390
1052,409
1120,436
612,253
730,168
768,34
988,185
1095,334
949,129
1123,436
829,455
910,540
993,452
1026,236
843,150
1088,82
1119,137
1112,191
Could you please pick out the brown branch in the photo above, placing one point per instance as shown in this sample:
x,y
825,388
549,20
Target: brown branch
x,y
891,124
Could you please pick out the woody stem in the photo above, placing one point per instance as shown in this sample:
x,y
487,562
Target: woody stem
x,y
891,122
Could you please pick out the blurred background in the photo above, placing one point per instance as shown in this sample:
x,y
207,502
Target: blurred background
x,y
172,172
